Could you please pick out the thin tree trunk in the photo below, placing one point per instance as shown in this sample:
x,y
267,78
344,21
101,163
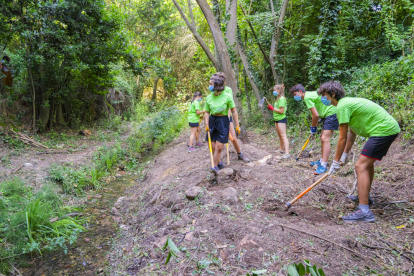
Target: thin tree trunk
x,y
276,37
246,91
154,89
196,35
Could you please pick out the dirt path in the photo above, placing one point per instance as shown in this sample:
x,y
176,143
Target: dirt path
x,y
233,226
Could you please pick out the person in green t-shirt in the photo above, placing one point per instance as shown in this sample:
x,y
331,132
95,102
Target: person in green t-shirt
x,y
235,142
279,115
194,114
216,120
330,122
367,119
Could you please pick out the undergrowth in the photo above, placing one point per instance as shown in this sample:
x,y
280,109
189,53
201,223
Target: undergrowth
x,y
33,222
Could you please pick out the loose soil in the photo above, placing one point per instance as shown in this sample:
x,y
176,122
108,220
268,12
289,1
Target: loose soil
x,y
228,236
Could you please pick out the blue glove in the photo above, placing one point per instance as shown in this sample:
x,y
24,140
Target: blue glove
x,y
313,130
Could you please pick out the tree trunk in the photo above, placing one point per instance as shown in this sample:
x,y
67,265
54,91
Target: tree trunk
x,y
59,115
246,91
223,54
196,35
154,89
44,111
276,37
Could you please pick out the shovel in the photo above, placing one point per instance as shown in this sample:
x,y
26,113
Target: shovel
x,y
303,148
210,148
290,203
262,101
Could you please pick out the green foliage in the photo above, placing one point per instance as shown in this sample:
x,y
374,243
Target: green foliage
x,y
173,250
33,221
307,269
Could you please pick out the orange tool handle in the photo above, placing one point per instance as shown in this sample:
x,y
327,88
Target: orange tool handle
x,y
306,191
211,149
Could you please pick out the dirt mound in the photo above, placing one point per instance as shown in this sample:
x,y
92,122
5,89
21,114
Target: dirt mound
x,y
233,225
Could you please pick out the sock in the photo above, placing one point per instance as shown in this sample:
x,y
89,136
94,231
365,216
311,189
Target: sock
x,y
364,208
320,160
324,164
239,153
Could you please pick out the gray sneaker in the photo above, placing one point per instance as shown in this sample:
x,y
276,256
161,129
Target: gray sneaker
x,y
242,157
355,199
359,216
286,156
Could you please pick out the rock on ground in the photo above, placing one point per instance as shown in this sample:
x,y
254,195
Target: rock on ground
x,y
230,194
193,192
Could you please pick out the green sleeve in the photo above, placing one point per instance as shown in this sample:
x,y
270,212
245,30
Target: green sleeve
x,y
207,107
230,102
343,114
309,101
196,105
283,102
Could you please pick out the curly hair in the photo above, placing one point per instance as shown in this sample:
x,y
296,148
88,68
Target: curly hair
x,y
221,75
332,87
218,83
296,88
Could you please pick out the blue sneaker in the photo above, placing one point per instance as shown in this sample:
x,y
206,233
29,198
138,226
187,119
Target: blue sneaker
x,y
359,216
215,169
318,163
220,165
321,170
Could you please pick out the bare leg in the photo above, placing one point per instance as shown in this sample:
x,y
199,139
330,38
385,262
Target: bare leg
x,y
283,136
218,148
365,174
197,135
326,145
281,141
235,142
192,135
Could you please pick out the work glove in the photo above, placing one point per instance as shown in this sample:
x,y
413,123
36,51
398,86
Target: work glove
x,y
313,130
238,130
336,165
270,107
343,158
207,128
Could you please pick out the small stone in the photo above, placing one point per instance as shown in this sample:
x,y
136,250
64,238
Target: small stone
x,y
193,192
230,194
227,171
224,255
87,240
118,203
28,164
124,227
249,164
245,174
115,212
189,236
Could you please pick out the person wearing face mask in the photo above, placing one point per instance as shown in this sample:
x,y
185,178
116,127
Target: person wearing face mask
x,y
319,107
240,154
367,119
279,115
194,114
216,118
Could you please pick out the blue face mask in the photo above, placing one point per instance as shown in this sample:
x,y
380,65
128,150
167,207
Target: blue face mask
x,y
298,98
275,93
199,100
325,101
211,88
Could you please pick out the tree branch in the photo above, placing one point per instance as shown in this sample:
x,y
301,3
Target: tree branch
x,y
197,36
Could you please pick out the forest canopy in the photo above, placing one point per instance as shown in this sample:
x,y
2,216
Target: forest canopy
x,y
76,61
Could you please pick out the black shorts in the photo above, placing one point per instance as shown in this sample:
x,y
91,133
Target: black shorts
x,y
219,129
330,123
377,146
283,121
194,124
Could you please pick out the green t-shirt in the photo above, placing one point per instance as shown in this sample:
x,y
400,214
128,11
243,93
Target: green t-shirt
x,y
280,103
229,91
192,114
366,118
312,99
219,105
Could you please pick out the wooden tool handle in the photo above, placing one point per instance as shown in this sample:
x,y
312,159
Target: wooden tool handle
x,y
211,149
307,190
304,146
228,154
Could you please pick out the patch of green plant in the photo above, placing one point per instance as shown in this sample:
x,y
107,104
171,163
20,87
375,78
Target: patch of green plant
x,y
173,249
33,222
307,269
76,181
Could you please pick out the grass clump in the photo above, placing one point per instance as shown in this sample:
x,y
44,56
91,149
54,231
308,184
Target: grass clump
x,y
33,222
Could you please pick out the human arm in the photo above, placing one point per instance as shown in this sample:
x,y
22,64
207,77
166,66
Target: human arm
x,y
206,120
342,140
281,110
199,112
236,119
315,116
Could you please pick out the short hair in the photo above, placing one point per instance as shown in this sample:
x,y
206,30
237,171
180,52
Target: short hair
x,y
332,87
6,58
221,75
218,83
296,88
